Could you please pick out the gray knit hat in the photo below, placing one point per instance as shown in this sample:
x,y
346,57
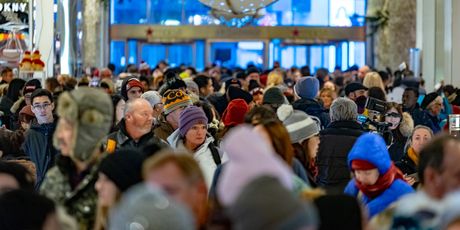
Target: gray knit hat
x,y
153,97
90,110
147,207
299,125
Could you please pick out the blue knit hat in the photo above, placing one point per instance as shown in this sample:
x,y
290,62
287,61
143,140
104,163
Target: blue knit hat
x,y
191,116
307,87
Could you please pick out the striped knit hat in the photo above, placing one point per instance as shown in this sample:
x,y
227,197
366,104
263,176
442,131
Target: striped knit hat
x,y
174,99
191,116
299,125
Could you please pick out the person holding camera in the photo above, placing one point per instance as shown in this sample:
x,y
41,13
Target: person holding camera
x,y
400,129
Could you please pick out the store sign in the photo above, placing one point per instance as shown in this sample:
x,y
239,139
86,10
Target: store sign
x,y
13,7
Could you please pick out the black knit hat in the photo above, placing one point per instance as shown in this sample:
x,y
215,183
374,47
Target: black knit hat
x,y
274,96
123,168
428,99
237,93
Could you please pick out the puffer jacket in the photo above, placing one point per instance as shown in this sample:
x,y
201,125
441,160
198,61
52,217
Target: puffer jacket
x,y
202,155
38,146
372,148
335,143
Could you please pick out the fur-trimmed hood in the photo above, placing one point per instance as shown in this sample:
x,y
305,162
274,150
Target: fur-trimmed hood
x,y
407,125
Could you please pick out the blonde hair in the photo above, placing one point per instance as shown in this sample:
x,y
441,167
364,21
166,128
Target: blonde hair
x,y
274,78
373,79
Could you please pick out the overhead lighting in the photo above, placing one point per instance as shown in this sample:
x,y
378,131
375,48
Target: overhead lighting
x,y
236,12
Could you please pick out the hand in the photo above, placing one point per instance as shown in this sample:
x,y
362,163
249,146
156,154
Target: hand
x,y
410,180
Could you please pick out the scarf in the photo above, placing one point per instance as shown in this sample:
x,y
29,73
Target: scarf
x,y
383,183
412,155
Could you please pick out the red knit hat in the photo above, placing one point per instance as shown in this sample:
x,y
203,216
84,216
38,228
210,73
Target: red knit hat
x,y
235,112
133,82
362,165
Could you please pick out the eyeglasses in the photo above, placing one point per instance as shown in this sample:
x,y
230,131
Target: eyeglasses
x,y
396,115
42,106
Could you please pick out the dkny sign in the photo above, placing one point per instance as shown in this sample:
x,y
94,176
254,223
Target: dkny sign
x,y
13,7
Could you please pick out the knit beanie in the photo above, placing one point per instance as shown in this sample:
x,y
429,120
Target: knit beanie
x,y
255,207
129,84
235,112
147,207
91,112
175,99
428,99
191,116
31,86
299,125
153,97
123,168
307,87
274,96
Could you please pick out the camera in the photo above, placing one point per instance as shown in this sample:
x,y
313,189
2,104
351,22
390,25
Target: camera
x,y
372,123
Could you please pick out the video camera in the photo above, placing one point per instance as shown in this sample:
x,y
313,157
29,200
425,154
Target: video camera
x,y
372,123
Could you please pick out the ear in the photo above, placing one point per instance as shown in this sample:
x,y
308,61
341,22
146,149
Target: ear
x,y
52,106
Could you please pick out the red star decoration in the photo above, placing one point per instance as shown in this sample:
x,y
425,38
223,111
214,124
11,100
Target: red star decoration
x,y
295,32
149,32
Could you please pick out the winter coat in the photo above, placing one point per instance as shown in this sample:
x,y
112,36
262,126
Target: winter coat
x,y
400,135
81,201
38,146
5,106
376,153
313,108
420,117
407,165
335,143
202,155
435,127
122,139
163,130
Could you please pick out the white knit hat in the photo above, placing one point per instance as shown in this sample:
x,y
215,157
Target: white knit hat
x,y
300,125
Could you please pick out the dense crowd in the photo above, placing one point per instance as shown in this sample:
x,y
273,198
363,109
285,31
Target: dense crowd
x,y
173,148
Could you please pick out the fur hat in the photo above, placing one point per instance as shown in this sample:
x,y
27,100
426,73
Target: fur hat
x,y
90,110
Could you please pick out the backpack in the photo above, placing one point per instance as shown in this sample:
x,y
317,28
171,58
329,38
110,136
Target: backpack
x,y
215,153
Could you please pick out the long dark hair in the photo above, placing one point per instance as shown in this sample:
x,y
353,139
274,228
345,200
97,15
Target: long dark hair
x,y
15,89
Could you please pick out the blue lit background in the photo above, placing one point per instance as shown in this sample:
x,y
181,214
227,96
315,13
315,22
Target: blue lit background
x,y
281,13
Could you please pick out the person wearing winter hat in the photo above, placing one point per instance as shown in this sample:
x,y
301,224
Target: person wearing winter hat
x,y
154,98
117,172
253,209
29,88
131,88
174,102
147,207
192,136
432,105
85,119
303,132
274,98
307,89
234,115
377,181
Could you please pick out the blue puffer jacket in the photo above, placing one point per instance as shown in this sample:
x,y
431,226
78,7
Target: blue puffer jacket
x,y
372,148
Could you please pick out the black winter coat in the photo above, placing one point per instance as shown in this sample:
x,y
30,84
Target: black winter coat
x,y
335,143
38,146
313,108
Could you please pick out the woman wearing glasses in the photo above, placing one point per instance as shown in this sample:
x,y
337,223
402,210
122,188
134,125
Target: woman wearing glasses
x,y
401,128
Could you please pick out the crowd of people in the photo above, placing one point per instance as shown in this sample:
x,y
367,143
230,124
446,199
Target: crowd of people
x,y
174,148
